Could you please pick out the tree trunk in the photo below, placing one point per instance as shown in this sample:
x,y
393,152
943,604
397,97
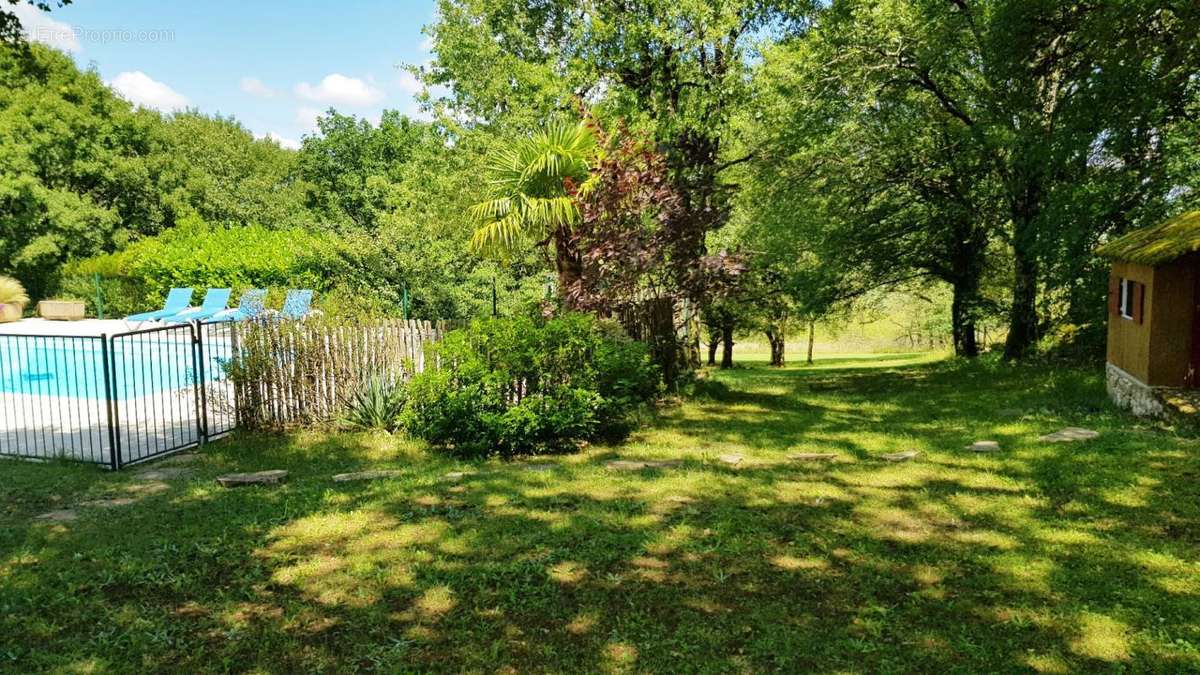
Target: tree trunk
x,y
712,350
1022,320
812,338
727,343
569,265
776,340
962,317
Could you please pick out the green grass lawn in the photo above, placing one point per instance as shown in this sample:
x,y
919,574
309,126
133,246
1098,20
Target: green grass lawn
x,y
1046,557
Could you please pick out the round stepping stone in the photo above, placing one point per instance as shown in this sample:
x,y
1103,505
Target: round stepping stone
x,y
732,460
272,477
984,446
813,456
1069,435
59,516
366,475
901,456
454,476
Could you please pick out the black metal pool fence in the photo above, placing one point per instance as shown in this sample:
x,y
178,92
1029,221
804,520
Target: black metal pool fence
x,y
119,399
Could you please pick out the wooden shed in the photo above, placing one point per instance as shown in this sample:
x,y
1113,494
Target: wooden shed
x,y
1154,312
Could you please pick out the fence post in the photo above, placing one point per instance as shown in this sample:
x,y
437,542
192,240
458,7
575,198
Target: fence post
x,y
198,368
201,381
110,400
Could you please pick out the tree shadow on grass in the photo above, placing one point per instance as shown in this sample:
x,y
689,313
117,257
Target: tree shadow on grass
x,y
1047,558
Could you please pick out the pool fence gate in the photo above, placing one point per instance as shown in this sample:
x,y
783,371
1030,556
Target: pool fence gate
x,y
126,398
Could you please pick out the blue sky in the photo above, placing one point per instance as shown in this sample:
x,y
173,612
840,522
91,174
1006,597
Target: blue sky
x,y
272,65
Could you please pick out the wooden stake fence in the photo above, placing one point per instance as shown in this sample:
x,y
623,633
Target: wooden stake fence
x,y
289,373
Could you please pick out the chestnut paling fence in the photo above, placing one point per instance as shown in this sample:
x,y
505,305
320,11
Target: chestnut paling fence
x,y
122,399
288,374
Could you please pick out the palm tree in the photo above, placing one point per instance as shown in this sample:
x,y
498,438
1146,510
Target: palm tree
x,y
531,196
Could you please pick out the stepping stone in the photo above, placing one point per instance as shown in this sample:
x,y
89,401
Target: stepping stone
x,y
454,476
813,456
273,477
901,456
59,516
165,473
366,475
984,446
732,460
108,503
629,465
680,499
539,467
1069,435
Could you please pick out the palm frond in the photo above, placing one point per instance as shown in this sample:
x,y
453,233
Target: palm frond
x,y
527,197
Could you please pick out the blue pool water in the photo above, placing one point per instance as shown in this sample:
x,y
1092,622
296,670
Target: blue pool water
x,y
73,367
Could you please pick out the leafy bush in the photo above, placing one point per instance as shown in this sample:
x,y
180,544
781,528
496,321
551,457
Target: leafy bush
x,y
202,256
528,385
376,406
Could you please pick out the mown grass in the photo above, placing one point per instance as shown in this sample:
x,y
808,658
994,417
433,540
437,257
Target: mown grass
x,y
1052,558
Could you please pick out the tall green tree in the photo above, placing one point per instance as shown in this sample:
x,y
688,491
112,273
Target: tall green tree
x,y
1057,96
678,69
76,175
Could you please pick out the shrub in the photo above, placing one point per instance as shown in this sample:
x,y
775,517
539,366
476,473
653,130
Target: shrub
x,y
528,385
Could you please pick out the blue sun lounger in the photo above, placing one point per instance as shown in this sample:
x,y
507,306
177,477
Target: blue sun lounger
x,y
216,300
251,306
297,304
177,301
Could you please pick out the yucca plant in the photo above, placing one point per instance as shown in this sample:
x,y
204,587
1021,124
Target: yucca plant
x,y
12,299
376,406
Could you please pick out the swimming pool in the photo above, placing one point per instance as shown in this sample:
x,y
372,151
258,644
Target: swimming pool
x,y
73,367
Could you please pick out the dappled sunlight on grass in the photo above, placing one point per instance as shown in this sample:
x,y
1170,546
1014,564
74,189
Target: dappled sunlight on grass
x,y
1052,558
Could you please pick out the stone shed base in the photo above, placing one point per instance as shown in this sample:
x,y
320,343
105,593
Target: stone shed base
x,y
1132,394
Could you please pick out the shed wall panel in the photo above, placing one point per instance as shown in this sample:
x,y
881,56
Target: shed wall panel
x,y
1174,302
1128,340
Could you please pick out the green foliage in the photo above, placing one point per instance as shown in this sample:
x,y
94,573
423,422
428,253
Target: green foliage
x,y
351,166
84,174
219,171
202,256
76,170
528,386
376,406
527,184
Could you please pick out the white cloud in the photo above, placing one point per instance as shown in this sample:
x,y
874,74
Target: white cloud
x,y
140,89
339,89
39,27
289,143
255,87
427,44
409,83
307,118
